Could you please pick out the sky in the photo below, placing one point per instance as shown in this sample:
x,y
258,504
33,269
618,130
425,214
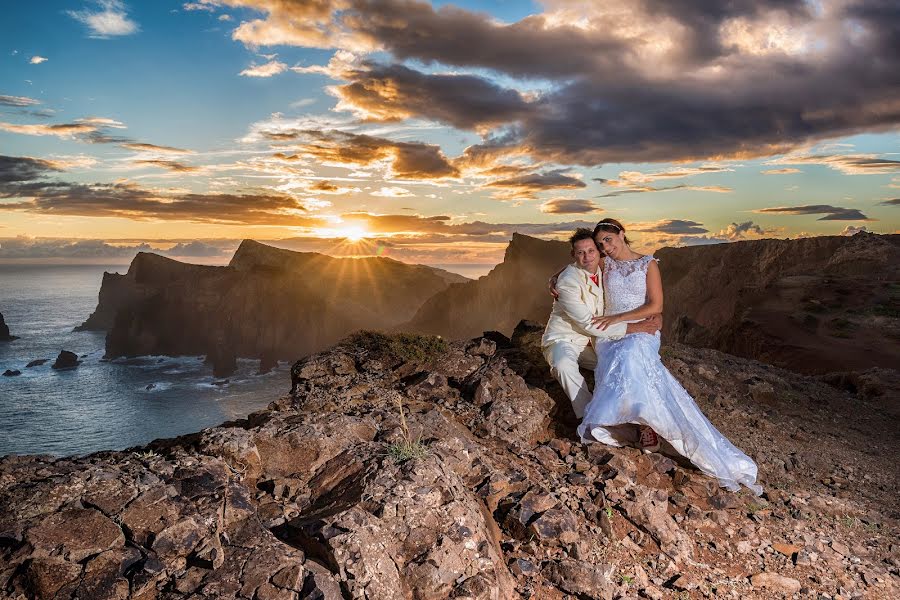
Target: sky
x,y
430,132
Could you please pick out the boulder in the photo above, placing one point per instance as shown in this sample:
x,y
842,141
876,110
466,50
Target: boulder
x,y
11,372
66,360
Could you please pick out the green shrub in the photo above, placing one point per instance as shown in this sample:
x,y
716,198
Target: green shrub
x,y
403,346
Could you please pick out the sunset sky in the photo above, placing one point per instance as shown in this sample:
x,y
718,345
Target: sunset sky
x,y
429,132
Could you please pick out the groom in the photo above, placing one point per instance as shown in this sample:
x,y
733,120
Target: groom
x,y
569,335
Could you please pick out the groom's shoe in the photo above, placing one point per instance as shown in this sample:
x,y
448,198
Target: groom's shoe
x,y
649,440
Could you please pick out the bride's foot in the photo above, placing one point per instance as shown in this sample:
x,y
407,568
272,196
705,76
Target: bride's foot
x,y
649,441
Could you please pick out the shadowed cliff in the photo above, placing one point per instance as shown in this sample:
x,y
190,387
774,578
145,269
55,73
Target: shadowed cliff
x,y
268,303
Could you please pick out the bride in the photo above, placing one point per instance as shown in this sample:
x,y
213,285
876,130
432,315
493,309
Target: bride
x,y
632,387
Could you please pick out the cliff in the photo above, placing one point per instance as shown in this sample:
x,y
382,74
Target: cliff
x,y
479,491
814,305
268,303
515,289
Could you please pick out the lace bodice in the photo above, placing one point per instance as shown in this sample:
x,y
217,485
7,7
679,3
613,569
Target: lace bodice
x,y
624,284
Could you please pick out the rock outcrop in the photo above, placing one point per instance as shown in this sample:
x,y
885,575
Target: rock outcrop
x,y
478,489
814,305
4,331
268,303
66,360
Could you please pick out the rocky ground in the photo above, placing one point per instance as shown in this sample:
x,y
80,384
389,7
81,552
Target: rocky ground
x,y
312,498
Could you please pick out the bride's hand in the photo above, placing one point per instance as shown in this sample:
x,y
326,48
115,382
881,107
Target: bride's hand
x,y
603,322
551,285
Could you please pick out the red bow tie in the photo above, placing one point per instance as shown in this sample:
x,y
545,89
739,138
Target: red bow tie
x,y
595,278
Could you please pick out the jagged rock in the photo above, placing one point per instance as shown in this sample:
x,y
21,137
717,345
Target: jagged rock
x,y
314,496
66,360
11,372
37,362
4,331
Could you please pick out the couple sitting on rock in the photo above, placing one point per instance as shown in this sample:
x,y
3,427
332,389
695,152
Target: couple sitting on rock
x,y
607,317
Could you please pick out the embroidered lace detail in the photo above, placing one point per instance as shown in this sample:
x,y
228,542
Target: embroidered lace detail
x,y
625,284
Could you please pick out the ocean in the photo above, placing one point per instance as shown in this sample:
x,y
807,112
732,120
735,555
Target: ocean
x,y
102,405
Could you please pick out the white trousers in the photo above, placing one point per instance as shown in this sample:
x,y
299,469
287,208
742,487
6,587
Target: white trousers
x,y
565,358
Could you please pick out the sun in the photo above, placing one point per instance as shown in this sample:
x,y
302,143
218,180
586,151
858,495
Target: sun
x,y
351,234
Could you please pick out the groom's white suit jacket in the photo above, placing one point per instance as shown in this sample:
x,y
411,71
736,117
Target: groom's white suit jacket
x,y
579,300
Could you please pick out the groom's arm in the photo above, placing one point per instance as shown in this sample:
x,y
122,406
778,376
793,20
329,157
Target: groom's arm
x,y
572,304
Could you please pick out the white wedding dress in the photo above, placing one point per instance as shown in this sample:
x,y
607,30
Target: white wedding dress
x,y
633,387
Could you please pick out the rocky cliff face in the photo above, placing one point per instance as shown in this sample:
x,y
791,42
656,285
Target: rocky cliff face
x,y
515,289
311,499
268,303
814,305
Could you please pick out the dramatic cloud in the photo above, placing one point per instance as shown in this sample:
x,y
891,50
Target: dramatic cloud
x,y
569,206
891,202
393,93
718,189
832,213
111,20
673,226
36,60
268,69
17,169
115,250
393,192
407,160
17,101
528,185
26,178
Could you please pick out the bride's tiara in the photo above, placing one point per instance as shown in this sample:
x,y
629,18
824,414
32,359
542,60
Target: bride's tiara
x,y
611,225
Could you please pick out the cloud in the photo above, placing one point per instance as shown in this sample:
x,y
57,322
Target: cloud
x,y
568,206
529,184
193,6
111,20
673,226
849,164
18,101
269,69
36,60
153,148
738,231
832,213
396,92
891,202
718,189
393,192
407,160
780,171
170,165
26,179
90,129
853,229
83,249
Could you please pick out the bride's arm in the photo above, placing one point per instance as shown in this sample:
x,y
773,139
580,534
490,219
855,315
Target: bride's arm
x,y
653,305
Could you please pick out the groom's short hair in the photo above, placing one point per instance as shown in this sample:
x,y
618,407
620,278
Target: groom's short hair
x,y
581,234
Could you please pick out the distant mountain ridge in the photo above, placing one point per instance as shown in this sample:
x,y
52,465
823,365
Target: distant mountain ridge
x,y
267,303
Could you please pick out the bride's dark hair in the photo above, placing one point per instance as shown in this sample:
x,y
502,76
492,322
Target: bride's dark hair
x,y
612,226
